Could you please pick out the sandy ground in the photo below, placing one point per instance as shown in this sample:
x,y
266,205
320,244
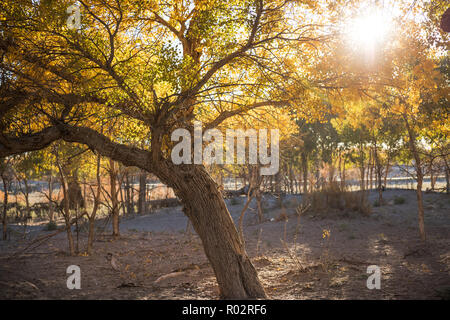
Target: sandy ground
x,y
310,265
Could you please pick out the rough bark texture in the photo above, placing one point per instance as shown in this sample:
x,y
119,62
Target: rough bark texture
x,y
206,209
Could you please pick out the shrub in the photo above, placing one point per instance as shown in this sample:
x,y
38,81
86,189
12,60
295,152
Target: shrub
x,y
333,197
51,226
399,200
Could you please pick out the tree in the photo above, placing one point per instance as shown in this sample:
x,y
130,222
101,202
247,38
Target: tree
x,y
157,66
419,82
114,197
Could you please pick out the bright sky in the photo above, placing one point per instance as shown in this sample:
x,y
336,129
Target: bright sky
x,y
372,24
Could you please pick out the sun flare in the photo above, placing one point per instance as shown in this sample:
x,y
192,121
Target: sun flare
x,y
369,31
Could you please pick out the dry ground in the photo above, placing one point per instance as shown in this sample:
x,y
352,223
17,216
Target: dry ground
x,y
310,265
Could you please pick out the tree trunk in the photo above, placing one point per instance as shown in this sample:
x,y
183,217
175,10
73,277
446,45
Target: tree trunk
x,y
418,167
378,169
27,207
447,178
128,195
362,173
206,209
387,171
259,206
340,170
291,179
305,172
142,192
344,187
114,200
362,167
5,208
122,201
278,189
91,234
319,182
50,199
66,210
432,180
96,196
420,207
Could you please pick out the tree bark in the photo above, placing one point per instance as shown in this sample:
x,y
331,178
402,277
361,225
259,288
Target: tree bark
x,y
206,209
142,192
114,200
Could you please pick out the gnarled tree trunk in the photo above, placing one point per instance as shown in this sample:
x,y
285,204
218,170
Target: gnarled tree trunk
x,y
206,209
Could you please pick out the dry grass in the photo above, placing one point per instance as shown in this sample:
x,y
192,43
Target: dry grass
x,y
332,197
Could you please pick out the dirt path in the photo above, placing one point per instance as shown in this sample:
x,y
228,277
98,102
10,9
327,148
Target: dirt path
x,y
308,266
